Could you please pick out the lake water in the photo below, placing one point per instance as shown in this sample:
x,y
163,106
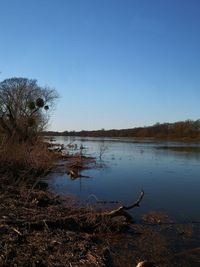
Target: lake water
x,y
168,172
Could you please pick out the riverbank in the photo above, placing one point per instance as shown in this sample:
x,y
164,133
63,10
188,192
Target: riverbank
x,y
39,228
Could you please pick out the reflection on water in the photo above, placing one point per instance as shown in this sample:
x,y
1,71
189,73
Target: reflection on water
x,y
169,177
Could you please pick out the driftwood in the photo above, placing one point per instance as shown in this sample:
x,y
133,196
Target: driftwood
x,y
121,211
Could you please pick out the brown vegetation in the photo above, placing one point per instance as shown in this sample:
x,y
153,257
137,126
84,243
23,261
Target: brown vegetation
x,y
38,229
21,161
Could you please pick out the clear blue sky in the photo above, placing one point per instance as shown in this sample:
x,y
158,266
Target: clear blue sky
x,y
115,63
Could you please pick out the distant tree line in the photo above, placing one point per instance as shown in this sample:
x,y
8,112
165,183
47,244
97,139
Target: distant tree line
x,y
184,130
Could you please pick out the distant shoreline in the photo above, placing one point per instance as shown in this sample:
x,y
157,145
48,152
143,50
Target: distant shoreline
x,y
185,131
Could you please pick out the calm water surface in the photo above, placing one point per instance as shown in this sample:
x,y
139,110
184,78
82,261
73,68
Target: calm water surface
x,y
169,177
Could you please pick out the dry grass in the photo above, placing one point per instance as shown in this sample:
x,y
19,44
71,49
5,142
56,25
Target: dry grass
x,y
21,160
39,229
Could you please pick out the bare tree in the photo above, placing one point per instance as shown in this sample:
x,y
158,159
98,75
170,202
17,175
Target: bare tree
x,y
102,149
24,108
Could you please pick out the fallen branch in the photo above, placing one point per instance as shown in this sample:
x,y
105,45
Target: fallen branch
x,y
122,209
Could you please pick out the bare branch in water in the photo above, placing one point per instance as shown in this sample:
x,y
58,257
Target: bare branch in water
x,y
122,209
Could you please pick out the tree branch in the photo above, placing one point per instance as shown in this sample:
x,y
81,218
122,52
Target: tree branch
x,y
122,209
